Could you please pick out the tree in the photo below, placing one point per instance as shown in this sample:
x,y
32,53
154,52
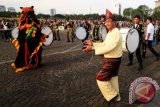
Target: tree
x,y
145,11
60,16
136,12
127,12
8,14
45,16
156,13
120,18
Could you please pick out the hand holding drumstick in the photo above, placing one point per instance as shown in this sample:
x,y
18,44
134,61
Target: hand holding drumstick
x,y
88,46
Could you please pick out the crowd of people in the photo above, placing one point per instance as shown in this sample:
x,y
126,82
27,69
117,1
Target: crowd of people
x,y
93,27
93,30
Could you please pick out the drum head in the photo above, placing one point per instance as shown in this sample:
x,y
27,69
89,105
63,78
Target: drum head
x,y
48,32
15,32
103,32
132,40
61,27
81,33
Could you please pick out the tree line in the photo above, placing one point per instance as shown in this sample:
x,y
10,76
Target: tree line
x,y
144,11
17,14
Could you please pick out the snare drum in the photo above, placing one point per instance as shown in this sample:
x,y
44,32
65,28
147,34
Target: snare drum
x,y
130,40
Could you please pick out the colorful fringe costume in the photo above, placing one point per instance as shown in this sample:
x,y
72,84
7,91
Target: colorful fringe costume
x,y
29,41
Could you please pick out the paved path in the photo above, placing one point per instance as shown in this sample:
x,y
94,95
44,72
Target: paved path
x,y
66,79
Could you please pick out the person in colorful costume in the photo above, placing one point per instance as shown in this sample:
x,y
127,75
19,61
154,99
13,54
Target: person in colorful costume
x,y
29,42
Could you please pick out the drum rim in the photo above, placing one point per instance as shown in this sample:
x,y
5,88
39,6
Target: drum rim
x,y
49,44
45,26
126,41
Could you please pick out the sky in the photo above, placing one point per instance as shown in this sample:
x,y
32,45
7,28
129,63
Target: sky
x,y
75,6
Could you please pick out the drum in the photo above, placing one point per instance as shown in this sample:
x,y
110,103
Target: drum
x,y
130,40
61,27
44,29
15,32
81,33
48,32
103,32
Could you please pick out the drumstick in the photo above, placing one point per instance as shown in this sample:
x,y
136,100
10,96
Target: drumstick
x,y
84,47
48,34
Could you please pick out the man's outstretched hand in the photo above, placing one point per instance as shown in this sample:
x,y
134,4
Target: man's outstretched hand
x,y
88,42
88,46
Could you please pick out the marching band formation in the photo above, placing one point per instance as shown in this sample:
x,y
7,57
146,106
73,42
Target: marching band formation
x,y
103,36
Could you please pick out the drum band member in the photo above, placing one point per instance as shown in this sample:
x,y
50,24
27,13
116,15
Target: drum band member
x,y
87,26
55,30
95,31
111,48
140,30
70,32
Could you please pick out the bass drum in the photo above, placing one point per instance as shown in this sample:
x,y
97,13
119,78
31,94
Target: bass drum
x,y
103,32
81,33
130,40
49,35
14,33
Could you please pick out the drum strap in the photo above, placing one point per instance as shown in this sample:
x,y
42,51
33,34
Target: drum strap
x,y
136,27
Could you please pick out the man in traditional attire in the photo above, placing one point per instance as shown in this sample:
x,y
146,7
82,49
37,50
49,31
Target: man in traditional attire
x,y
111,48
29,41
